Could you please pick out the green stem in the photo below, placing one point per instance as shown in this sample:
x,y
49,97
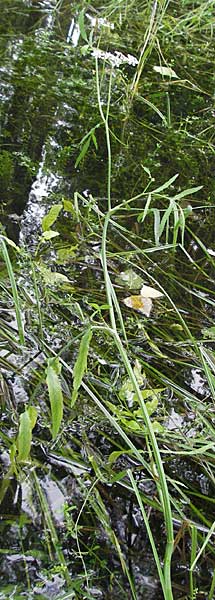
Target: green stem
x,y
161,481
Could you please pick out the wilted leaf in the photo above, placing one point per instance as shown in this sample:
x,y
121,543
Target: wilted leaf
x,y
149,292
165,71
143,305
81,364
51,217
55,394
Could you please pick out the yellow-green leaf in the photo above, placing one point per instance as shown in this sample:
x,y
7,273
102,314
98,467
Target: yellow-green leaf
x,y
81,364
49,235
32,411
68,206
24,436
51,217
55,394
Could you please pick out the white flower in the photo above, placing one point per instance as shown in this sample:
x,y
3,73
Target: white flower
x,y
116,59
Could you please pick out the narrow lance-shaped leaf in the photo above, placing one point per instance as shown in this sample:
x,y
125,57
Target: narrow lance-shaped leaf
x,y
81,364
82,26
27,423
55,394
10,271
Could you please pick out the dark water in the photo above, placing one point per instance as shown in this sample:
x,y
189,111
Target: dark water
x,y
49,103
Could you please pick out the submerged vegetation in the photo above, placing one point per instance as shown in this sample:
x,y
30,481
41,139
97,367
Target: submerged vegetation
x,y
107,300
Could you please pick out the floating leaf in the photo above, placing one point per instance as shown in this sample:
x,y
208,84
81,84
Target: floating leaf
x,y
81,364
149,292
143,305
165,71
27,422
55,394
130,279
53,277
51,217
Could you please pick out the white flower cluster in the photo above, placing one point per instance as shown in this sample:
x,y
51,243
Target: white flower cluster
x,y
116,59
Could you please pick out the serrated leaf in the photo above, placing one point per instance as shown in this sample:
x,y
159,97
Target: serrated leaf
x,y
165,71
24,436
51,217
55,394
81,364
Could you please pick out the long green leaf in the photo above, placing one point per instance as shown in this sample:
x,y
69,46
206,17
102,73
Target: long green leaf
x,y
27,423
55,394
14,291
83,152
81,364
82,26
51,217
165,185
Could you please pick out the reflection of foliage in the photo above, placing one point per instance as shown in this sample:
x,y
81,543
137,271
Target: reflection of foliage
x,y
6,169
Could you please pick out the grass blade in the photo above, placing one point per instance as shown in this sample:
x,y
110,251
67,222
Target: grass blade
x,y
14,292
